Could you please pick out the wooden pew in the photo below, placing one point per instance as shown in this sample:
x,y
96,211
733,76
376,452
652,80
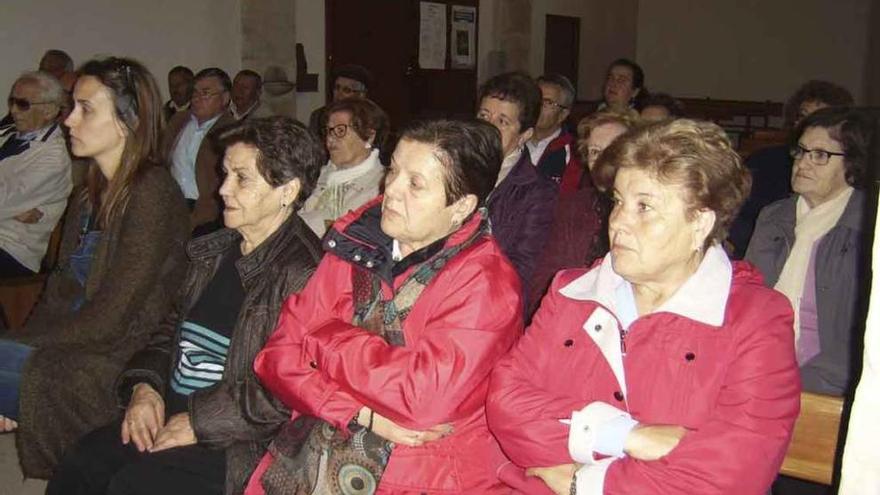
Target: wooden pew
x,y
813,445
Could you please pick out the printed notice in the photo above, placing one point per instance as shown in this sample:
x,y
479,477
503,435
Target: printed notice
x,y
464,21
432,35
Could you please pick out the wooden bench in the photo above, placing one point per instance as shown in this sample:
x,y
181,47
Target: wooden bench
x,y
813,447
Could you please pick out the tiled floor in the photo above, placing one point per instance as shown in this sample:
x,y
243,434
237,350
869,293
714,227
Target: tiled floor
x,y
11,482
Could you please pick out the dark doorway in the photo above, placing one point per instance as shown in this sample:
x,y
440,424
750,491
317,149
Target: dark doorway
x,y
561,46
385,40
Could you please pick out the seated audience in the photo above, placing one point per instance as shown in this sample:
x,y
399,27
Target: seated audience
x,y
196,419
349,81
354,136
35,175
686,375
247,87
771,167
385,356
189,151
180,87
661,106
579,234
624,89
121,260
552,144
521,205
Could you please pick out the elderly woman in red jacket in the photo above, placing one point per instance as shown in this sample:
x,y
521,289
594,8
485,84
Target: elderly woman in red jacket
x,y
665,368
385,356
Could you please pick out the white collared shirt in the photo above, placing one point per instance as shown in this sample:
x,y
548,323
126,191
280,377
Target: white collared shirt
x,y
186,151
536,148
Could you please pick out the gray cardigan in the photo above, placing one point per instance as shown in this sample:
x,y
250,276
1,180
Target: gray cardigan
x,y
841,295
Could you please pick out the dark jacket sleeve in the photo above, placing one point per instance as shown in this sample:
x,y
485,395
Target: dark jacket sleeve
x,y
535,226
151,227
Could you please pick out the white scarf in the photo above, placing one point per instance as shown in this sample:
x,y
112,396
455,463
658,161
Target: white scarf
x,y
811,224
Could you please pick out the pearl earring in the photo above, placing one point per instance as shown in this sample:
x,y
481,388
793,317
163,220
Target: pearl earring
x,y
367,145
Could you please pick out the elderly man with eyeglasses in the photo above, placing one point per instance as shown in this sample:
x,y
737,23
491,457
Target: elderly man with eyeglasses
x,y
552,144
35,177
193,161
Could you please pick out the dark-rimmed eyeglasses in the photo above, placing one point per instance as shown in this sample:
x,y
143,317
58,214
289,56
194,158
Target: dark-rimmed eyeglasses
x,y
22,104
547,102
338,131
817,156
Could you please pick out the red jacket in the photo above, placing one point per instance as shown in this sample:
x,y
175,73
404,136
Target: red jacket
x,y
464,321
734,385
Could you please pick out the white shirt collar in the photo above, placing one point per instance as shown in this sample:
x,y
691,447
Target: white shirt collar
x,y
396,254
536,148
240,115
702,297
206,125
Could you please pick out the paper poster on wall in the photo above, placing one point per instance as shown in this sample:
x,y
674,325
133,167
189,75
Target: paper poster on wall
x,y
464,21
432,35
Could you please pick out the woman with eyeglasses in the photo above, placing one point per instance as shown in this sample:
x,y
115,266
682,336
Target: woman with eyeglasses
x,y
354,134
809,246
121,262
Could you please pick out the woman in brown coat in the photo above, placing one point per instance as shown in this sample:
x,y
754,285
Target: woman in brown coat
x,y
121,261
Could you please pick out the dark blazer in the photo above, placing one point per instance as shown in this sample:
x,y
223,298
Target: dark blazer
x,y
841,287
521,210
208,163
234,414
67,384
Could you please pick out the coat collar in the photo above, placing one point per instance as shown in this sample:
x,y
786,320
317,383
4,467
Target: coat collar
x,y
703,296
786,216
252,264
523,172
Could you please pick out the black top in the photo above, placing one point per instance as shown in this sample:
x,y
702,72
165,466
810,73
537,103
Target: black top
x,y
205,334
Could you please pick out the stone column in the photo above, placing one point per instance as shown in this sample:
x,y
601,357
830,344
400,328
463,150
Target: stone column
x,y
268,38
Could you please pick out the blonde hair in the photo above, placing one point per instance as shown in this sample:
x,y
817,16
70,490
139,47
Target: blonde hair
x,y
694,155
629,119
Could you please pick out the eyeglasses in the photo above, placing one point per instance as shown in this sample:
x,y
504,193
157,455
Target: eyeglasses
x,y
817,156
24,105
547,102
337,131
205,93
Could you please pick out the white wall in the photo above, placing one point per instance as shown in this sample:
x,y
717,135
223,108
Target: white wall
x,y
159,33
607,32
752,49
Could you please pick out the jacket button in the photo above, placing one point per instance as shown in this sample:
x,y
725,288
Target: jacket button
x,y
597,328
357,257
313,365
369,264
569,343
331,243
618,395
690,356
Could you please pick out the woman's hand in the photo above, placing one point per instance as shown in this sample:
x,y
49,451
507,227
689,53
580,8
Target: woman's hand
x,y
557,478
651,442
31,216
144,417
177,433
7,424
392,432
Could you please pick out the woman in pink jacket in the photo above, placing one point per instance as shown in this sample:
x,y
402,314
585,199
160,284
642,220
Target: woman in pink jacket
x,y
665,368
385,356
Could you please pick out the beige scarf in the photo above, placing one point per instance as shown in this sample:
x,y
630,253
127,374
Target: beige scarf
x,y
810,225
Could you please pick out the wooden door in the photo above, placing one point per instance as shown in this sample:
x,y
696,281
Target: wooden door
x,y
383,36
561,46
